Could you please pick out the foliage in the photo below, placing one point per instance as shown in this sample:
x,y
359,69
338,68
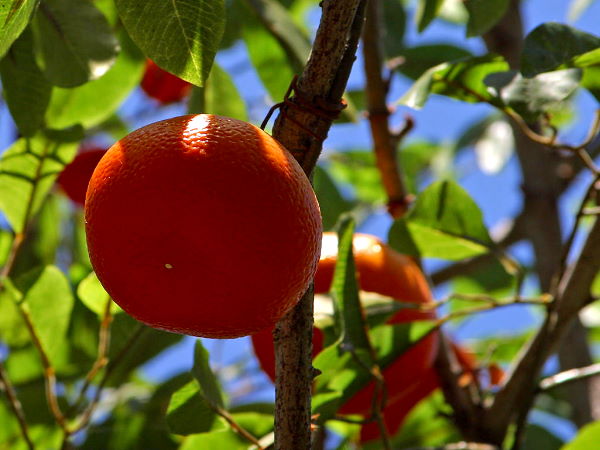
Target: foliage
x,y
70,73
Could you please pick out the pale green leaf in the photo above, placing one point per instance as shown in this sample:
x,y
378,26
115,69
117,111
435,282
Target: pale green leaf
x,y
28,170
181,36
14,17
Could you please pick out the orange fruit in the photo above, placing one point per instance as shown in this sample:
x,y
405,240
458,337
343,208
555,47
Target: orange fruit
x,y
74,178
162,85
202,225
382,270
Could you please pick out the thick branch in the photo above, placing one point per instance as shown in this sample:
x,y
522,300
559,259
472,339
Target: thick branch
x,y
574,294
301,127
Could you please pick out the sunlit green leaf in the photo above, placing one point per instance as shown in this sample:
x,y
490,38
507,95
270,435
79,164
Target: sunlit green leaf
x,y
462,80
94,297
74,41
531,97
25,88
14,17
444,223
587,438
190,33
420,58
28,170
48,300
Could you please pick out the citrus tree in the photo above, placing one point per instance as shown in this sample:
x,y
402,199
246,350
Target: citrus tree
x,y
374,360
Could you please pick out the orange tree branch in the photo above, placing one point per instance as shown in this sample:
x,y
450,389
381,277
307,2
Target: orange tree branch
x,y
302,125
384,143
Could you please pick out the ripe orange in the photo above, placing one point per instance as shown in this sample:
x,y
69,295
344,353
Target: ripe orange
x,y
75,177
202,225
382,270
162,85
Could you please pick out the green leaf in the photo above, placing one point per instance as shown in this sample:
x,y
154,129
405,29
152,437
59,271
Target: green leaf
x,y
462,80
139,344
205,376
74,41
277,21
96,101
420,58
229,440
531,97
190,33
270,60
415,157
541,54
48,300
350,316
94,297
342,376
218,96
28,170
357,167
26,90
190,413
330,200
12,328
537,437
427,10
587,438
394,21
14,17
444,223
484,14
45,236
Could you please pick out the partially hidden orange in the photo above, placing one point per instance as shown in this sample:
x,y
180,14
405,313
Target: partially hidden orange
x,y
162,85
202,225
382,270
74,178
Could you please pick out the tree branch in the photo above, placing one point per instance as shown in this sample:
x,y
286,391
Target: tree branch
x,y
574,294
302,125
384,144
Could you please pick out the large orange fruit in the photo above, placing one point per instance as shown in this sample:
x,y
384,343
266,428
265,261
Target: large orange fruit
x,y
382,270
162,85
202,225
74,178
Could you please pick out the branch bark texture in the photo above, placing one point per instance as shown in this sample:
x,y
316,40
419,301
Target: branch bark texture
x,y
302,125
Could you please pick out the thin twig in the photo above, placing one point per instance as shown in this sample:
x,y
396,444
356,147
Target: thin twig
x,y
569,376
87,414
238,428
49,373
15,405
101,358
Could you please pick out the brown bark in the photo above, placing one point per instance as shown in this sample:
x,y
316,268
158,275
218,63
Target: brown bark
x,y
301,127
